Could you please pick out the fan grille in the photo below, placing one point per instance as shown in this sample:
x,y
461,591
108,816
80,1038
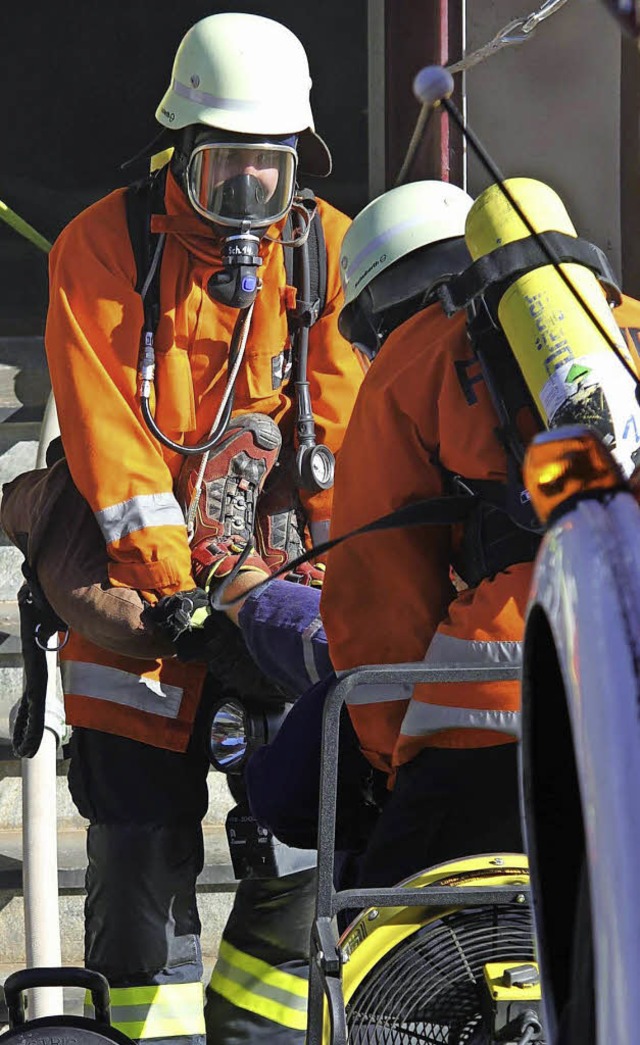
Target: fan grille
x,y
428,989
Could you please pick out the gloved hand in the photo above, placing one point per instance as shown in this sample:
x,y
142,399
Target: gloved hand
x,y
311,575
179,614
198,633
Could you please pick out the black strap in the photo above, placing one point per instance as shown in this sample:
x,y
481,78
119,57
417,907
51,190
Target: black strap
x,y
436,511
142,199
501,530
307,312
38,623
512,260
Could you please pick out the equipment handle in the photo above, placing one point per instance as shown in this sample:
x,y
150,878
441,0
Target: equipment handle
x,y
19,982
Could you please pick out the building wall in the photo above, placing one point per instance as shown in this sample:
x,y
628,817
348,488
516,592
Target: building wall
x,y
550,108
81,82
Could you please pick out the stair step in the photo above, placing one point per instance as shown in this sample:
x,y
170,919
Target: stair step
x,y
12,432
11,576
220,800
24,379
22,350
9,629
213,908
216,885
18,450
217,874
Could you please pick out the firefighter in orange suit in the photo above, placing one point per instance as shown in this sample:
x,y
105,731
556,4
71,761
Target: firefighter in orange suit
x,y
455,595
138,769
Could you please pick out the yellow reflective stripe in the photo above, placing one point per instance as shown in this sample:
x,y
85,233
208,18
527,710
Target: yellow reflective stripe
x,y
252,984
244,999
161,1028
158,1010
263,972
158,993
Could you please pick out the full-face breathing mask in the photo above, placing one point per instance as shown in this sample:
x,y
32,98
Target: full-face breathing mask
x,y
241,187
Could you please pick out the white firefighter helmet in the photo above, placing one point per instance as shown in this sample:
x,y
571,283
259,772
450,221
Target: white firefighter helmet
x,y
245,74
397,223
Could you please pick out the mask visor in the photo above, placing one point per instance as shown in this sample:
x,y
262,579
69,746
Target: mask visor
x,y
232,184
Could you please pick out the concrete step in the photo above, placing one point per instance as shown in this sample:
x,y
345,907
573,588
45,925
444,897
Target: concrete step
x,y
9,629
217,874
24,379
18,447
11,578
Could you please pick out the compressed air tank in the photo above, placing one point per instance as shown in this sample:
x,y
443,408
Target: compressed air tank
x,y
572,373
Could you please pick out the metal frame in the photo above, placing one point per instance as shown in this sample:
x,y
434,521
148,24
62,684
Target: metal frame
x,y
325,961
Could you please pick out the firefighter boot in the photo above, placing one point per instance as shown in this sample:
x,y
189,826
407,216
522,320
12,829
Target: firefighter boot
x,y
224,517
280,530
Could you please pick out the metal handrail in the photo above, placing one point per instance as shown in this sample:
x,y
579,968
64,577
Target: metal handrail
x,y
39,817
325,978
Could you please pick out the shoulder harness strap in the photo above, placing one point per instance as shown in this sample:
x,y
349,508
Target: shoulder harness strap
x,y
512,260
142,199
307,312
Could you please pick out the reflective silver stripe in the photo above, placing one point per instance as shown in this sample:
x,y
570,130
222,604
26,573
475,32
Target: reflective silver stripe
x,y
307,648
204,98
423,719
379,693
319,531
253,985
140,1013
138,513
121,687
375,247
448,650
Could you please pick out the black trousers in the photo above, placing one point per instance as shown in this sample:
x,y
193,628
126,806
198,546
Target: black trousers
x,y
142,929
145,852
446,803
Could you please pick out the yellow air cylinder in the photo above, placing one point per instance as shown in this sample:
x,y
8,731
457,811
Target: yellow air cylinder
x,y
571,371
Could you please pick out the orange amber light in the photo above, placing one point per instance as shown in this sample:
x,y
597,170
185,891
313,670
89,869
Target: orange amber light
x,y
564,463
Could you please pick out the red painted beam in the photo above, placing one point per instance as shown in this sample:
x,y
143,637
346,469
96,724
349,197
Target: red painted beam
x,y
419,33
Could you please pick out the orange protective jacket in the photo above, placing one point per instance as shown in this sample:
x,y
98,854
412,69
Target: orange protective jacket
x,y
92,341
387,596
